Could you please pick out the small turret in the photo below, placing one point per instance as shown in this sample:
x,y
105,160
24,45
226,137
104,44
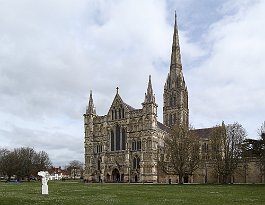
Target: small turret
x,y
149,96
149,105
91,110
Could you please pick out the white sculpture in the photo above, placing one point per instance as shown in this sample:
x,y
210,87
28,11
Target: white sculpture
x,y
44,180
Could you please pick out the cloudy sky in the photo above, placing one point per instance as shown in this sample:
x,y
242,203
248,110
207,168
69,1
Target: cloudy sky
x,y
53,52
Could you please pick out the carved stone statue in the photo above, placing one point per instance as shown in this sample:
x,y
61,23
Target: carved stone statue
x,y
44,180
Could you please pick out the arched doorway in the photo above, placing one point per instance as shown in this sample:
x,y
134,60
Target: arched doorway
x,y
136,178
108,178
186,179
115,175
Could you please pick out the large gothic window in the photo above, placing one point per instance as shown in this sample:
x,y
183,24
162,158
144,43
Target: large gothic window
x,y
123,146
112,140
118,138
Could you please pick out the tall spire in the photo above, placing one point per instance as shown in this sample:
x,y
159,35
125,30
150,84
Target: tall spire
x,y
91,108
175,54
149,96
175,109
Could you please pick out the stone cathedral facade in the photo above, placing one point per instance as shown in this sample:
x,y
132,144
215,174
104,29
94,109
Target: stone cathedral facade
x,y
123,145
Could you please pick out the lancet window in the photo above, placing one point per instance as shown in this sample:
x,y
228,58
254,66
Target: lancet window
x,y
118,138
136,162
98,148
117,113
136,145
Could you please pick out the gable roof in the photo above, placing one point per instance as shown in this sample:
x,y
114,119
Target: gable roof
x,y
129,107
203,133
163,127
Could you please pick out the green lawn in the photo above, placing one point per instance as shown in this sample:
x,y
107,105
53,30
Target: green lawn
x,y
79,193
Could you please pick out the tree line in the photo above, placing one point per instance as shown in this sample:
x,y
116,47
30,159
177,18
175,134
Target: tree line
x,y
23,162
182,154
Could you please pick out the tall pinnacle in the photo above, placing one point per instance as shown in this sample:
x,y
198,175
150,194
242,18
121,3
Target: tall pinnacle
x,y
91,108
149,96
175,54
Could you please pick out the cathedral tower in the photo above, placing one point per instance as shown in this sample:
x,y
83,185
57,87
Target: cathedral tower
x,y
89,117
175,109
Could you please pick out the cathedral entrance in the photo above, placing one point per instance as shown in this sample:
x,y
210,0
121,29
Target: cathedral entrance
x,y
135,178
115,175
186,179
108,178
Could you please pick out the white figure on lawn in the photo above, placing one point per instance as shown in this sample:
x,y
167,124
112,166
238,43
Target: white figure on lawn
x,y
44,180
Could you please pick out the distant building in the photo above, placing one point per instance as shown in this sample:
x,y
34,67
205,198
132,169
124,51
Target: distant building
x,y
56,173
122,146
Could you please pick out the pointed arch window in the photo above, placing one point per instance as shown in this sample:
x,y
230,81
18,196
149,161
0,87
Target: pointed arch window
x,y
112,114
118,138
112,141
99,148
149,144
99,162
139,145
136,162
119,113
115,113
136,145
133,145
122,112
123,145
170,119
174,118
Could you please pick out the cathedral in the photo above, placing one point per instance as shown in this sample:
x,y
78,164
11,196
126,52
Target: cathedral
x,y
122,146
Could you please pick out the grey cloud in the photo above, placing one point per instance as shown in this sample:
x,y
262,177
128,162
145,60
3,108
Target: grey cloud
x,y
52,54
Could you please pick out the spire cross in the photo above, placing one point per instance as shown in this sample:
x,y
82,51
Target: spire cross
x,y
117,90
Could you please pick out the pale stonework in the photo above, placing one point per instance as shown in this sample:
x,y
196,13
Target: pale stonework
x,y
123,145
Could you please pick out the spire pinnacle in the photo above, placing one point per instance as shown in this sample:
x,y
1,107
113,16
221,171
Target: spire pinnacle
x,y
149,96
175,54
91,108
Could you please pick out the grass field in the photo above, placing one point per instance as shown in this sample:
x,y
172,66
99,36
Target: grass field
x,y
79,193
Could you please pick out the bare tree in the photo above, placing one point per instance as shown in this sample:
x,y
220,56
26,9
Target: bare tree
x,y
41,162
180,154
226,149
7,165
75,168
24,157
23,162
